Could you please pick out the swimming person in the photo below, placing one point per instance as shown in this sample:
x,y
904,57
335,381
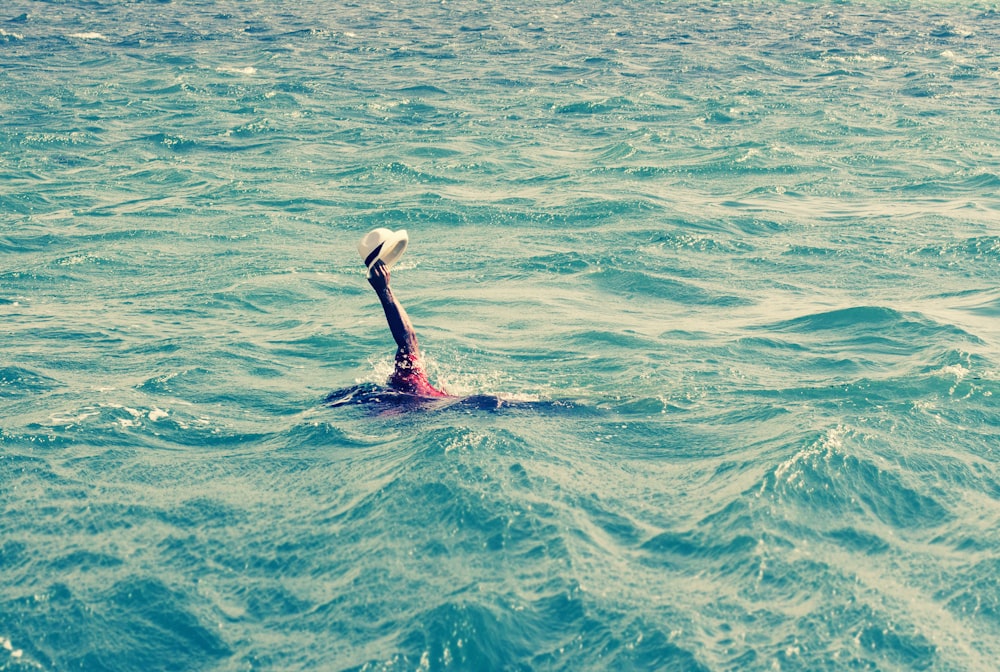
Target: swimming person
x,y
380,249
408,388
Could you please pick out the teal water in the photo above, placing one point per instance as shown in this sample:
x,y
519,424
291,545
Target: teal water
x,y
735,262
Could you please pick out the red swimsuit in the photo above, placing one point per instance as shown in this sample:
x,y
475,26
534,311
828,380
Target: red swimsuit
x,y
409,377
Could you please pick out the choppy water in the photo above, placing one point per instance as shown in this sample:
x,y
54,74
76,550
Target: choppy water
x,y
743,255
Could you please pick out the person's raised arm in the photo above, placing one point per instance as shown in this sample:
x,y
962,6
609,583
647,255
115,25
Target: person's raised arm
x,y
399,321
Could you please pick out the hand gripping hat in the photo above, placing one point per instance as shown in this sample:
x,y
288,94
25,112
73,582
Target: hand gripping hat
x,y
383,244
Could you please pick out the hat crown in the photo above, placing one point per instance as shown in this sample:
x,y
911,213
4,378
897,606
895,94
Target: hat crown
x,y
383,244
372,239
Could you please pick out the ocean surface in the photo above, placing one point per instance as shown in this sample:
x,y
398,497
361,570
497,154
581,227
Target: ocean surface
x,y
729,270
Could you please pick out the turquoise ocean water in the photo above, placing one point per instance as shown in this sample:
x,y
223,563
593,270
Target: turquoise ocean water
x,y
737,262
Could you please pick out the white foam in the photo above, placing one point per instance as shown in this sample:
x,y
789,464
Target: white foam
x,y
157,414
248,70
88,36
857,58
9,646
75,260
831,442
63,420
956,370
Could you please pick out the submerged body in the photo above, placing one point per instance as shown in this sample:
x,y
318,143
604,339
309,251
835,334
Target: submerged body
x,y
387,401
410,377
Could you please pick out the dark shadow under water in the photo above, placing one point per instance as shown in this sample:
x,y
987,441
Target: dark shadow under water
x,y
386,400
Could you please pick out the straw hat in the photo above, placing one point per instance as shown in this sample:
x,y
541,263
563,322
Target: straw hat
x,y
383,244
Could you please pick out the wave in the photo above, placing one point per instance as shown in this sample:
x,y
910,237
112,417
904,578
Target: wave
x,y
627,283
468,633
422,90
603,106
825,507
984,183
137,622
17,381
871,332
975,249
824,483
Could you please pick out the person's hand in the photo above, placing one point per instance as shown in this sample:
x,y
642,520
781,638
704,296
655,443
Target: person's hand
x,y
378,276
